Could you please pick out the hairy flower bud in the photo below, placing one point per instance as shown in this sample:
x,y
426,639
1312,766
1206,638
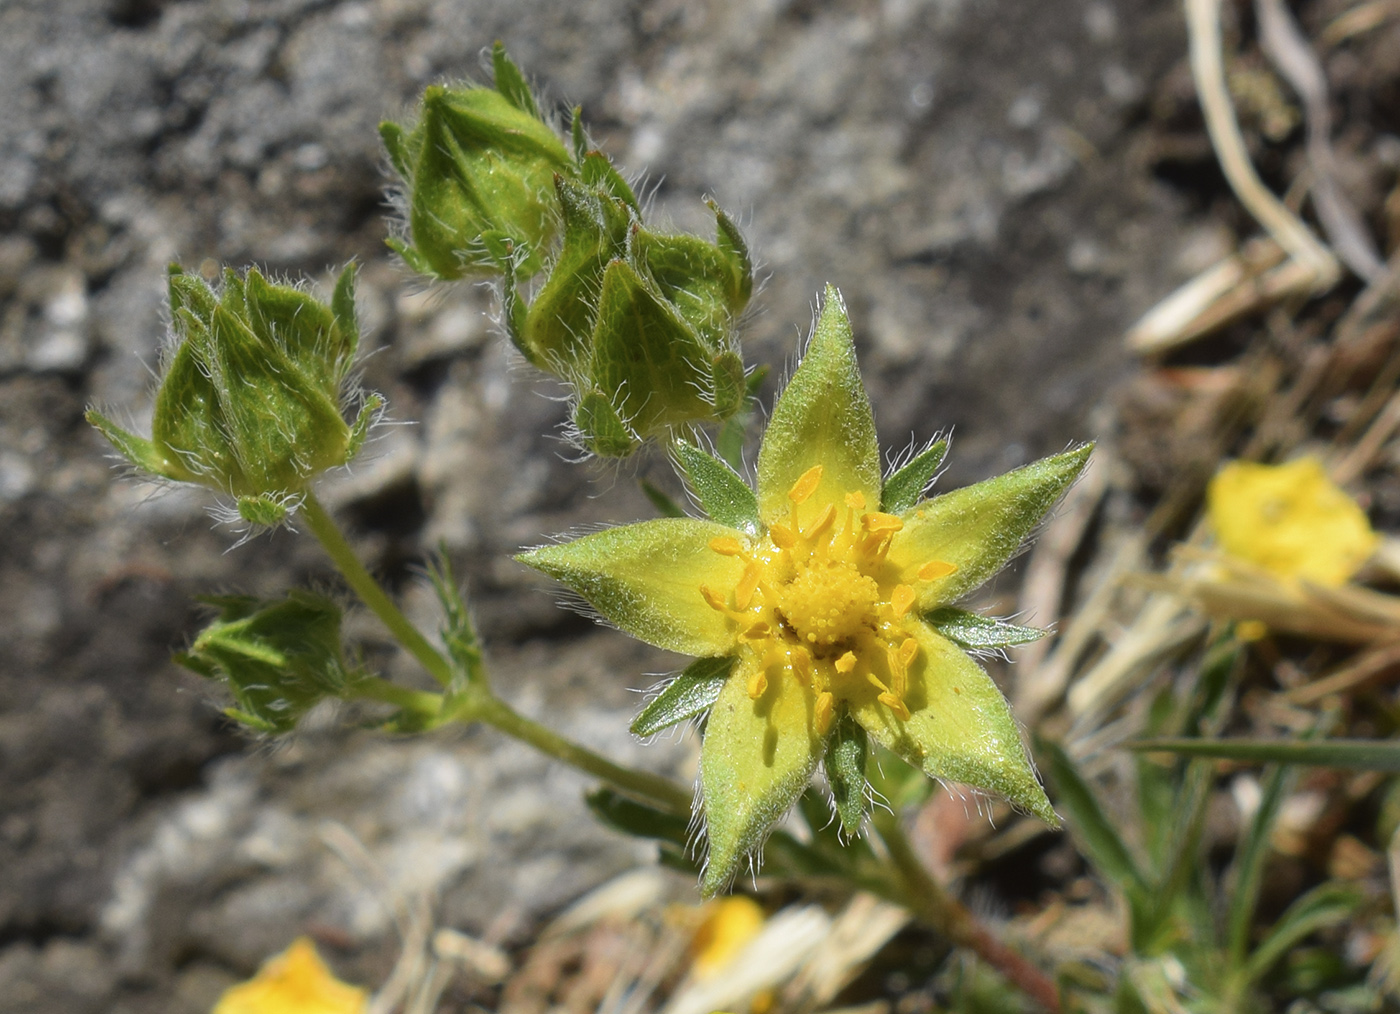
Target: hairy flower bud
x,y
640,322
251,401
278,659
478,172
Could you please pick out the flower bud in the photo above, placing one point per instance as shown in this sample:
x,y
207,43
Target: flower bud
x,y
251,399
478,172
641,323
278,659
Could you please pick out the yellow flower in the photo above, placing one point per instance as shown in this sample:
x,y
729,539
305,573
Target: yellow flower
x,y
729,924
296,981
820,606
1290,520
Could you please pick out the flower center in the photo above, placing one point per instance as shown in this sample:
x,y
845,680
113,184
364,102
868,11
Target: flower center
x,y
810,602
829,602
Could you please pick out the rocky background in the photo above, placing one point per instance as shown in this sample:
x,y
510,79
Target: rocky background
x,y
998,187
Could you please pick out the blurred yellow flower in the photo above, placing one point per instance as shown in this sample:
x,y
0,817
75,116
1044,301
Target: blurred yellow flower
x,y
296,981
729,924
1291,520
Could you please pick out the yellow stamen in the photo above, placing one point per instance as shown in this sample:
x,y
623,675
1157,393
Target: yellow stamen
x,y
902,600
935,569
806,485
908,651
757,632
878,523
726,546
846,662
896,705
822,523
713,599
783,537
758,683
801,664
748,584
824,711
856,501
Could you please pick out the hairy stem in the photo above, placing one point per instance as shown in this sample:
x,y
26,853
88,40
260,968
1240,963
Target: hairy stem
x,y
420,702
365,586
655,789
927,899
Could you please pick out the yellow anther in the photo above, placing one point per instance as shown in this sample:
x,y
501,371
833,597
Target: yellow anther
x,y
856,501
902,600
935,569
757,632
908,651
783,537
758,683
878,524
748,584
846,662
896,705
725,545
806,485
824,711
715,601
801,662
822,523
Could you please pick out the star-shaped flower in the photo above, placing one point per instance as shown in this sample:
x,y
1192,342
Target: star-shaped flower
x,y
820,607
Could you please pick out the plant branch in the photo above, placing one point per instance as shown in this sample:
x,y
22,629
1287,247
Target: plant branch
x,y
333,541
930,903
420,702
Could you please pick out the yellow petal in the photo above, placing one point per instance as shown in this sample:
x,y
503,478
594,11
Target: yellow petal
x,y
729,924
296,981
1291,520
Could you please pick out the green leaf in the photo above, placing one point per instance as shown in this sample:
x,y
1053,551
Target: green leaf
x,y
645,578
343,307
637,819
822,418
457,632
1360,754
976,632
847,750
978,528
667,507
725,497
510,82
905,488
1325,905
757,757
959,728
691,693
1087,822
1250,857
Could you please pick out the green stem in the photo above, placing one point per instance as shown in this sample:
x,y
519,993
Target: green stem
x,y
345,560
655,789
478,703
420,702
927,899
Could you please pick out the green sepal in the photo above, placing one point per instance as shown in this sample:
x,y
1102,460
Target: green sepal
x,y
395,140
736,253
511,83
730,442
601,429
728,385
645,578
577,135
457,633
557,330
598,171
364,421
694,277
278,659
960,727
264,511
724,496
691,693
138,450
976,632
979,528
347,320
847,749
755,761
905,488
644,351
822,418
